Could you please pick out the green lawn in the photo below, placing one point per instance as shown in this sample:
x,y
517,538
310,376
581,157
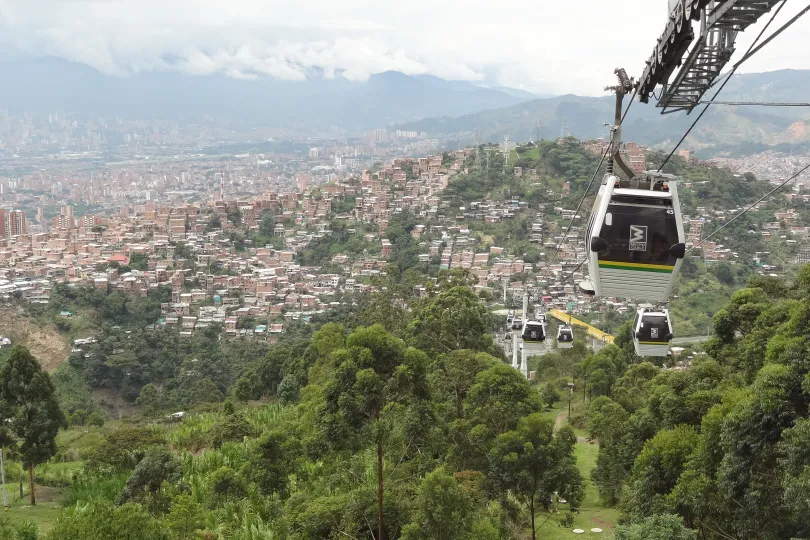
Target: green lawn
x,y
592,512
43,514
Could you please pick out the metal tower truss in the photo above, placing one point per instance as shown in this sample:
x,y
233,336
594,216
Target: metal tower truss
x,y
720,22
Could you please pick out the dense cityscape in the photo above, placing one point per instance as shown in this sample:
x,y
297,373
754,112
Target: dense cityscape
x,y
404,272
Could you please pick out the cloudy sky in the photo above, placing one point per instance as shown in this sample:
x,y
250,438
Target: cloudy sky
x,y
568,46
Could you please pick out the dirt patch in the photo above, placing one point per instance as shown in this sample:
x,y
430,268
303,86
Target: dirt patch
x,y
113,404
43,340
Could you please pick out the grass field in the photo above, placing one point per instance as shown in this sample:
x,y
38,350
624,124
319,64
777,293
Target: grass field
x,y
44,514
592,513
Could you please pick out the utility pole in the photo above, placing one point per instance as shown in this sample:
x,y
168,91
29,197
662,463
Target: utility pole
x,y
570,391
3,479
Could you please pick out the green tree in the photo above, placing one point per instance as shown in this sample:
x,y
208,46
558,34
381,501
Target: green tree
x,y
452,320
533,462
185,519
454,374
226,485
149,399
444,510
657,469
550,395
157,466
29,406
273,461
375,372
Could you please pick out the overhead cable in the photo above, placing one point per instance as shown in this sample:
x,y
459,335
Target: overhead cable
x,y
745,57
732,220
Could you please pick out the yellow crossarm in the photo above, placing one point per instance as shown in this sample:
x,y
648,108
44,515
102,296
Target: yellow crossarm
x,y
593,332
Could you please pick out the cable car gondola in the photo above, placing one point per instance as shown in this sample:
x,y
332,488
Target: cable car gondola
x,y
635,238
517,324
565,336
534,332
652,332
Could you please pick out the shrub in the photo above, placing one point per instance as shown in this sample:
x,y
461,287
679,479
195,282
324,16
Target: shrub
x,y
232,428
226,485
123,449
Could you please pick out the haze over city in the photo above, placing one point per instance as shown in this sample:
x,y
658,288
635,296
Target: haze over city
x,y
547,47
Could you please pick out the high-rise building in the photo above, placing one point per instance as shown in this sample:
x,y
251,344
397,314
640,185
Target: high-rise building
x,y
16,223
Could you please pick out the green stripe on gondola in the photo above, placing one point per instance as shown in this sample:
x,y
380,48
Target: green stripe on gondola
x,y
636,267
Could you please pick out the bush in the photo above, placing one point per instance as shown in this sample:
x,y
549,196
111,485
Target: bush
x,y
105,521
288,392
232,428
228,407
123,449
578,421
95,419
226,485
157,466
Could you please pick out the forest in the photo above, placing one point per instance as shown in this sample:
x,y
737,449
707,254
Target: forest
x,y
418,429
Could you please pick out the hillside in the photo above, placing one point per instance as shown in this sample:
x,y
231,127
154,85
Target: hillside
x,y
45,85
43,338
585,117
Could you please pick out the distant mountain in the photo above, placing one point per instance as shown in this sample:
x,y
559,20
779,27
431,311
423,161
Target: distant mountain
x,y
584,117
55,85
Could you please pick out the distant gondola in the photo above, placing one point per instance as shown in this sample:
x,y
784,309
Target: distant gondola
x,y
635,238
517,324
534,332
652,332
565,337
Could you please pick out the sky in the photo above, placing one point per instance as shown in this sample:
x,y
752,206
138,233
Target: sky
x,y
570,46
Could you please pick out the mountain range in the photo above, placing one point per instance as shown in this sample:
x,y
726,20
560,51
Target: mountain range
x,y
44,85
585,117
451,110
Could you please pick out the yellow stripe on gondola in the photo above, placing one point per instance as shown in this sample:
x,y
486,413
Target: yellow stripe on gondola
x,y
636,266
653,343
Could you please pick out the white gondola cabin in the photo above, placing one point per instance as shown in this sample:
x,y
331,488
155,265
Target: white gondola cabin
x,y
517,324
565,336
534,332
635,238
652,332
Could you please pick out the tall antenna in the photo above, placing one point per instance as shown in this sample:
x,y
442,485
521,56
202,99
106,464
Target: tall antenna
x,y
505,151
562,129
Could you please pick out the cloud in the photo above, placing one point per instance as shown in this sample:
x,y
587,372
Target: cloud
x,y
556,47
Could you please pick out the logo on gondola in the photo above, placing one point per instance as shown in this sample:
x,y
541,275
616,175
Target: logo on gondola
x,y
638,238
654,333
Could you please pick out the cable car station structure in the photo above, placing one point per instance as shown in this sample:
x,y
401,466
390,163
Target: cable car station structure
x,y
713,43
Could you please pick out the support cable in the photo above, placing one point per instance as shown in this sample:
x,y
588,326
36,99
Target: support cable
x,y
732,220
579,206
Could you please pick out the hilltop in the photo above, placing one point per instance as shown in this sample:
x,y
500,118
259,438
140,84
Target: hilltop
x,y
585,117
